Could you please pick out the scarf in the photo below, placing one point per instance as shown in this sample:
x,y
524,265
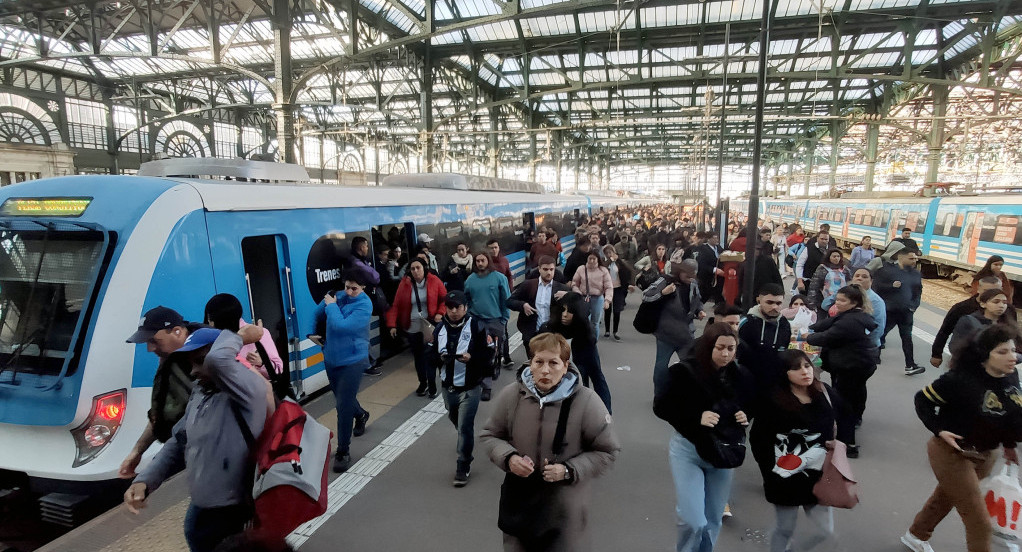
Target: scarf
x,y
464,340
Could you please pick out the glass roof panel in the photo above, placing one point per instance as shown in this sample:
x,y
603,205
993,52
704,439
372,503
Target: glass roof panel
x,y
593,22
400,20
502,30
477,8
806,63
443,10
967,41
190,39
450,37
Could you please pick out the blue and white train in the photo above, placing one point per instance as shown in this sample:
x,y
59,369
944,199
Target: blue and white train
x,y
82,257
953,232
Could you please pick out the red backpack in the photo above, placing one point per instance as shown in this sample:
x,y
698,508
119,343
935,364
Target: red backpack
x,y
292,460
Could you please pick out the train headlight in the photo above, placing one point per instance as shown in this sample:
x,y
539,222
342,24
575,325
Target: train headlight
x,y
100,427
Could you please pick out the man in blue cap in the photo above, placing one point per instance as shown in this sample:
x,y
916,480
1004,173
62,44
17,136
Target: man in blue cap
x,y
210,440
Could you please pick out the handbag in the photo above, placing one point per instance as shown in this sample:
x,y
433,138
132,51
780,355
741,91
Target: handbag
x,y
427,328
837,486
647,316
725,448
529,507
646,278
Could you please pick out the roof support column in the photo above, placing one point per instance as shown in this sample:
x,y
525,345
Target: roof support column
x,y
835,142
426,98
533,161
810,158
791,175
936,141
872,141
283,108
752,225
494,142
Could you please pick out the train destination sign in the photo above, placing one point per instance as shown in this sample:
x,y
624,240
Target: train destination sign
x,y
45,206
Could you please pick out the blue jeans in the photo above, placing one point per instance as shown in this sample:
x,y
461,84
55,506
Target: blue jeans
x,y
461,410
595,313
205,528
664,351
344,382
701,491
822,518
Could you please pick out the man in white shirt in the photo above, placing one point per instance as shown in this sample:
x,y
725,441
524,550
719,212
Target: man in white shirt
x,y
532,300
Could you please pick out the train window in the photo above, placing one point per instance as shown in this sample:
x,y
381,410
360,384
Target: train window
x,y
45,278
989,229
1006,229
508,232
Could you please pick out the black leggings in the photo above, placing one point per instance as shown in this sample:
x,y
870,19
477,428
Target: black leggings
x,y
852,388
614,308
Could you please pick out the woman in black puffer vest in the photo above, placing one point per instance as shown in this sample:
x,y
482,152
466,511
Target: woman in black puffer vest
x,y
848,352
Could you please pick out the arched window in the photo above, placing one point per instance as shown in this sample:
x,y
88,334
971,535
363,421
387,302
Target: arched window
x,y
23,121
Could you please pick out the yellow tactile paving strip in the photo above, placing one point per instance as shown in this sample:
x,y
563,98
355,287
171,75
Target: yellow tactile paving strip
x,y
163,533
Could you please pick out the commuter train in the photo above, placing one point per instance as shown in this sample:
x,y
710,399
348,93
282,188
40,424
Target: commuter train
x,y
82,257
953,232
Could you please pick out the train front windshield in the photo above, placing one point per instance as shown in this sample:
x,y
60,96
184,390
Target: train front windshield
x,y
46,276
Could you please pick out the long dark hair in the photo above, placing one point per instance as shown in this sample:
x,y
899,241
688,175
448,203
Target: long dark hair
x,y
971,358
791,359
986,270
831,251
576,305
703,350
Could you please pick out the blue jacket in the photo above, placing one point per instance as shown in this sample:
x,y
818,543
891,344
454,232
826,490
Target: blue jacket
x,y
487,296
879,316
207,440
347,329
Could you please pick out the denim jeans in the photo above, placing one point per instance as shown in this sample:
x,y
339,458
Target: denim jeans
x,y
822,518
496,328
461,410
664,351
205,528
902,319
420,355
701,491
595,313
344,382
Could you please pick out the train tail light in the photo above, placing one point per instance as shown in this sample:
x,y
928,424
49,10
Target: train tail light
x,y
99,428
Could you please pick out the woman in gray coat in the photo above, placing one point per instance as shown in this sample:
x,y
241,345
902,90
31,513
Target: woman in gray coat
x,y
552,436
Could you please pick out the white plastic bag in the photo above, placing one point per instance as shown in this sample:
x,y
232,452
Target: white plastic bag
x,y
1002,495
801,322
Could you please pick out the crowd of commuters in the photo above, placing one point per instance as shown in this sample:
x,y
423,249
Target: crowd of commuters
x,y
748,368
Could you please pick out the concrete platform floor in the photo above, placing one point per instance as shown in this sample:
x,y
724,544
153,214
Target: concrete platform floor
x,y
399,496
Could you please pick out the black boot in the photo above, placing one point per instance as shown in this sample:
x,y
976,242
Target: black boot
x,y
421,389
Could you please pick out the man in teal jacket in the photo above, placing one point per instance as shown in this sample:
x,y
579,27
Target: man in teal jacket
x,y
488,292
346,356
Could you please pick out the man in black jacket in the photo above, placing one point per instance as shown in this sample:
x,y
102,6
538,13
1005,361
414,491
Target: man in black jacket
x,y
900,285
907,241
577,257
463,353
532,298
764,334
707,253
956,312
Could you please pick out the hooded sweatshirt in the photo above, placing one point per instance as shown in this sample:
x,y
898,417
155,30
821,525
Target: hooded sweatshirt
x,y
906,297
760,340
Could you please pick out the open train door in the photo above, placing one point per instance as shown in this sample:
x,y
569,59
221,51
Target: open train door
x,y
970,237
271,299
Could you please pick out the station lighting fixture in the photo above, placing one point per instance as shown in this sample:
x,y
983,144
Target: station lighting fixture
x,y
100,427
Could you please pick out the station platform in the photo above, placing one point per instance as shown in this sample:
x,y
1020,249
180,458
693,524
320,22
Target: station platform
x,y
398,495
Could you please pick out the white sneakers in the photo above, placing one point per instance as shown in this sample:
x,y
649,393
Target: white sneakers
x,y
915,544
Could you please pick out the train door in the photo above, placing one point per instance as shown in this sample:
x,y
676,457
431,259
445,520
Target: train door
x,y
844,223
970,237
396,235
894,226
271,299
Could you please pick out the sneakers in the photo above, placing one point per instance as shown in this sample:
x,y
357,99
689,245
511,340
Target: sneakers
x,y
852,451
915,544
342,463
616,338
373,371
461,478
485,395
508,363
360,424
421,390
914,369
727,512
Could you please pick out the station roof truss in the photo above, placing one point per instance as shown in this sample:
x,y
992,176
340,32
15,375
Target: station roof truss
x,y
625,82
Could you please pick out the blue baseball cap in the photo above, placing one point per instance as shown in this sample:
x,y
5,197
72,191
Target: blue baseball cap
x,y
199,338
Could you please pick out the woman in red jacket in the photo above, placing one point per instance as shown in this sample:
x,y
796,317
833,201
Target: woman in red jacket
x,y
418,305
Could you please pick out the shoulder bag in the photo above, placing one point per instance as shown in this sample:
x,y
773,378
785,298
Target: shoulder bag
x,y
837,487
529,506
427,326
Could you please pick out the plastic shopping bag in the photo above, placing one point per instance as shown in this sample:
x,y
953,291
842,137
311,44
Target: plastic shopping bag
x,y
1002,495
801,322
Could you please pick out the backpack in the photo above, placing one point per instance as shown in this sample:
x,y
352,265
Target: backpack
x,y
292,461
793,252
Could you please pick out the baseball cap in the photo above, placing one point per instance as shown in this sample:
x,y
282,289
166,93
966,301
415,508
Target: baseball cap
x,y
199,338
154,320
424,238
455,299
